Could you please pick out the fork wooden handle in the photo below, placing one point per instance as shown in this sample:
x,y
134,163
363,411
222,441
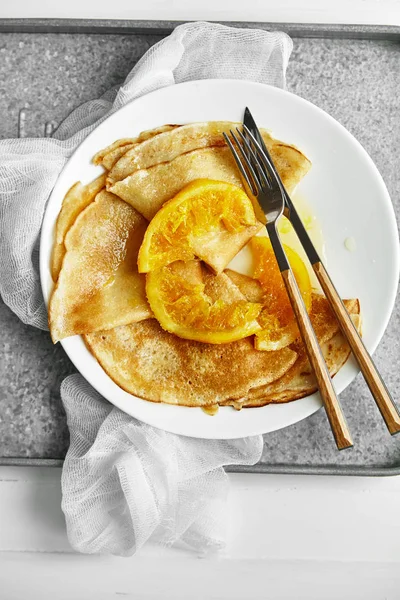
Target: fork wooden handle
x,y
384,401
333,409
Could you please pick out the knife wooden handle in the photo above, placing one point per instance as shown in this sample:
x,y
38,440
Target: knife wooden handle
x,y
383,399
331,402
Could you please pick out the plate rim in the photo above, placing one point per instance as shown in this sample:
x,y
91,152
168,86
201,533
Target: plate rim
x,y
314,400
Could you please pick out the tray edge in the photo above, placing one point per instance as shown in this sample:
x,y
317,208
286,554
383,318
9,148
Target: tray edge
x,y
127,26
258,468
116,26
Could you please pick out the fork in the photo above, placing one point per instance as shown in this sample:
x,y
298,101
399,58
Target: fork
x,y
255,168
381,394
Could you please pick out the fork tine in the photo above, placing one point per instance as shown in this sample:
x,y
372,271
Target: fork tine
x,y
241,168
263,173
266,159
248,163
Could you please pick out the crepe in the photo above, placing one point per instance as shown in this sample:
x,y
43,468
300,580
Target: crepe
x,y
99,286
150,363
148,189
76,199
112,153
249,287
167,146
158,366
299,381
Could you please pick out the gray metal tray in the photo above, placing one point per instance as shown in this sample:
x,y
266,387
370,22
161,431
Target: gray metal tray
x,y
48,67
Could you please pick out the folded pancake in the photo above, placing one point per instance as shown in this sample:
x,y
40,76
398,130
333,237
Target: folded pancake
x,y
149,133
299,380
249,287
112,153
158,366
99,286
148,189
167,146
76,199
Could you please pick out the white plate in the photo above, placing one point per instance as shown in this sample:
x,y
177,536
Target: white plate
x,y
343,188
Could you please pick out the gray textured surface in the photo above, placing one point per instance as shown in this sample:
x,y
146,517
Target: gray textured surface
x,y
358,84
49,75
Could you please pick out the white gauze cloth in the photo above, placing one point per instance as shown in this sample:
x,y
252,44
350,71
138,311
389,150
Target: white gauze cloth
x,y
124,482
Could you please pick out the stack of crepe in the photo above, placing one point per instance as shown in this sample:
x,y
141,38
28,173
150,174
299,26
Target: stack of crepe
x,y
98,292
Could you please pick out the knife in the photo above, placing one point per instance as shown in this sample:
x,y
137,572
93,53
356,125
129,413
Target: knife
x,y
383,399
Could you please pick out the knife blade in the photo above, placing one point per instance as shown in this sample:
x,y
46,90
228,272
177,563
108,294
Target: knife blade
x,y
290,211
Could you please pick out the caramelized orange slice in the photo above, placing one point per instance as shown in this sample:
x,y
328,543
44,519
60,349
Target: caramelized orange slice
x,y
277,318
211,220
195,304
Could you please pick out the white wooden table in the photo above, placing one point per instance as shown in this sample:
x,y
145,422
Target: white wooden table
x,y
296,537
362,12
